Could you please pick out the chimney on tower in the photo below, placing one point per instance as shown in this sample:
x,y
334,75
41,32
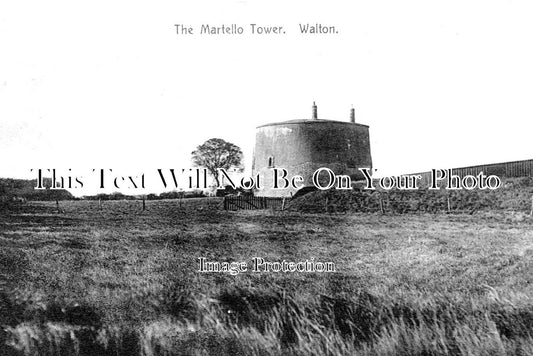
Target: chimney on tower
x,y
315,112
352,115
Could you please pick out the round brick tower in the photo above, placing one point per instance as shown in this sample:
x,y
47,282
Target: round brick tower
x,y
303,146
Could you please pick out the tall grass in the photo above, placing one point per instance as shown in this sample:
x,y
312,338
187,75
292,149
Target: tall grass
x,y
264,322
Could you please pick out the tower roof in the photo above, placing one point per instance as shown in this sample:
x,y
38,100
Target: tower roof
x,y
311,122
315,120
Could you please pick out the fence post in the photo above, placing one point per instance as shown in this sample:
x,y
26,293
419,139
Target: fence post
x,y
144,202
381,205
448,198
531,212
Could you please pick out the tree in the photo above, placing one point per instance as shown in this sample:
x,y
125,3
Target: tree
x,y
215,154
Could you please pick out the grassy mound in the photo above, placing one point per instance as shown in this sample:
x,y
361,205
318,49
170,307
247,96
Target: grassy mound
x,y
514,194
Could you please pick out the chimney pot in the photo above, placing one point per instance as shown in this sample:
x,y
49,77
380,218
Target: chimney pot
x,y
315,111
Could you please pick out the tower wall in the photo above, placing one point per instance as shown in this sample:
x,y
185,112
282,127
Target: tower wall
x,y
303,146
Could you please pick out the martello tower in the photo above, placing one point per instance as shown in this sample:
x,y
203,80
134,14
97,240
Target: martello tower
x,y
305,145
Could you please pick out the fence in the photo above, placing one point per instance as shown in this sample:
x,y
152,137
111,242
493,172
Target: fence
x,y
505,169
252,203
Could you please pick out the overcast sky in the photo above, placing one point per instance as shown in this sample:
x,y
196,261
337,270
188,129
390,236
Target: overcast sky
x,y
109,84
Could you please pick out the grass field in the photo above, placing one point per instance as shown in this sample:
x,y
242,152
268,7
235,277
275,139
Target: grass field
x,y
122,281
